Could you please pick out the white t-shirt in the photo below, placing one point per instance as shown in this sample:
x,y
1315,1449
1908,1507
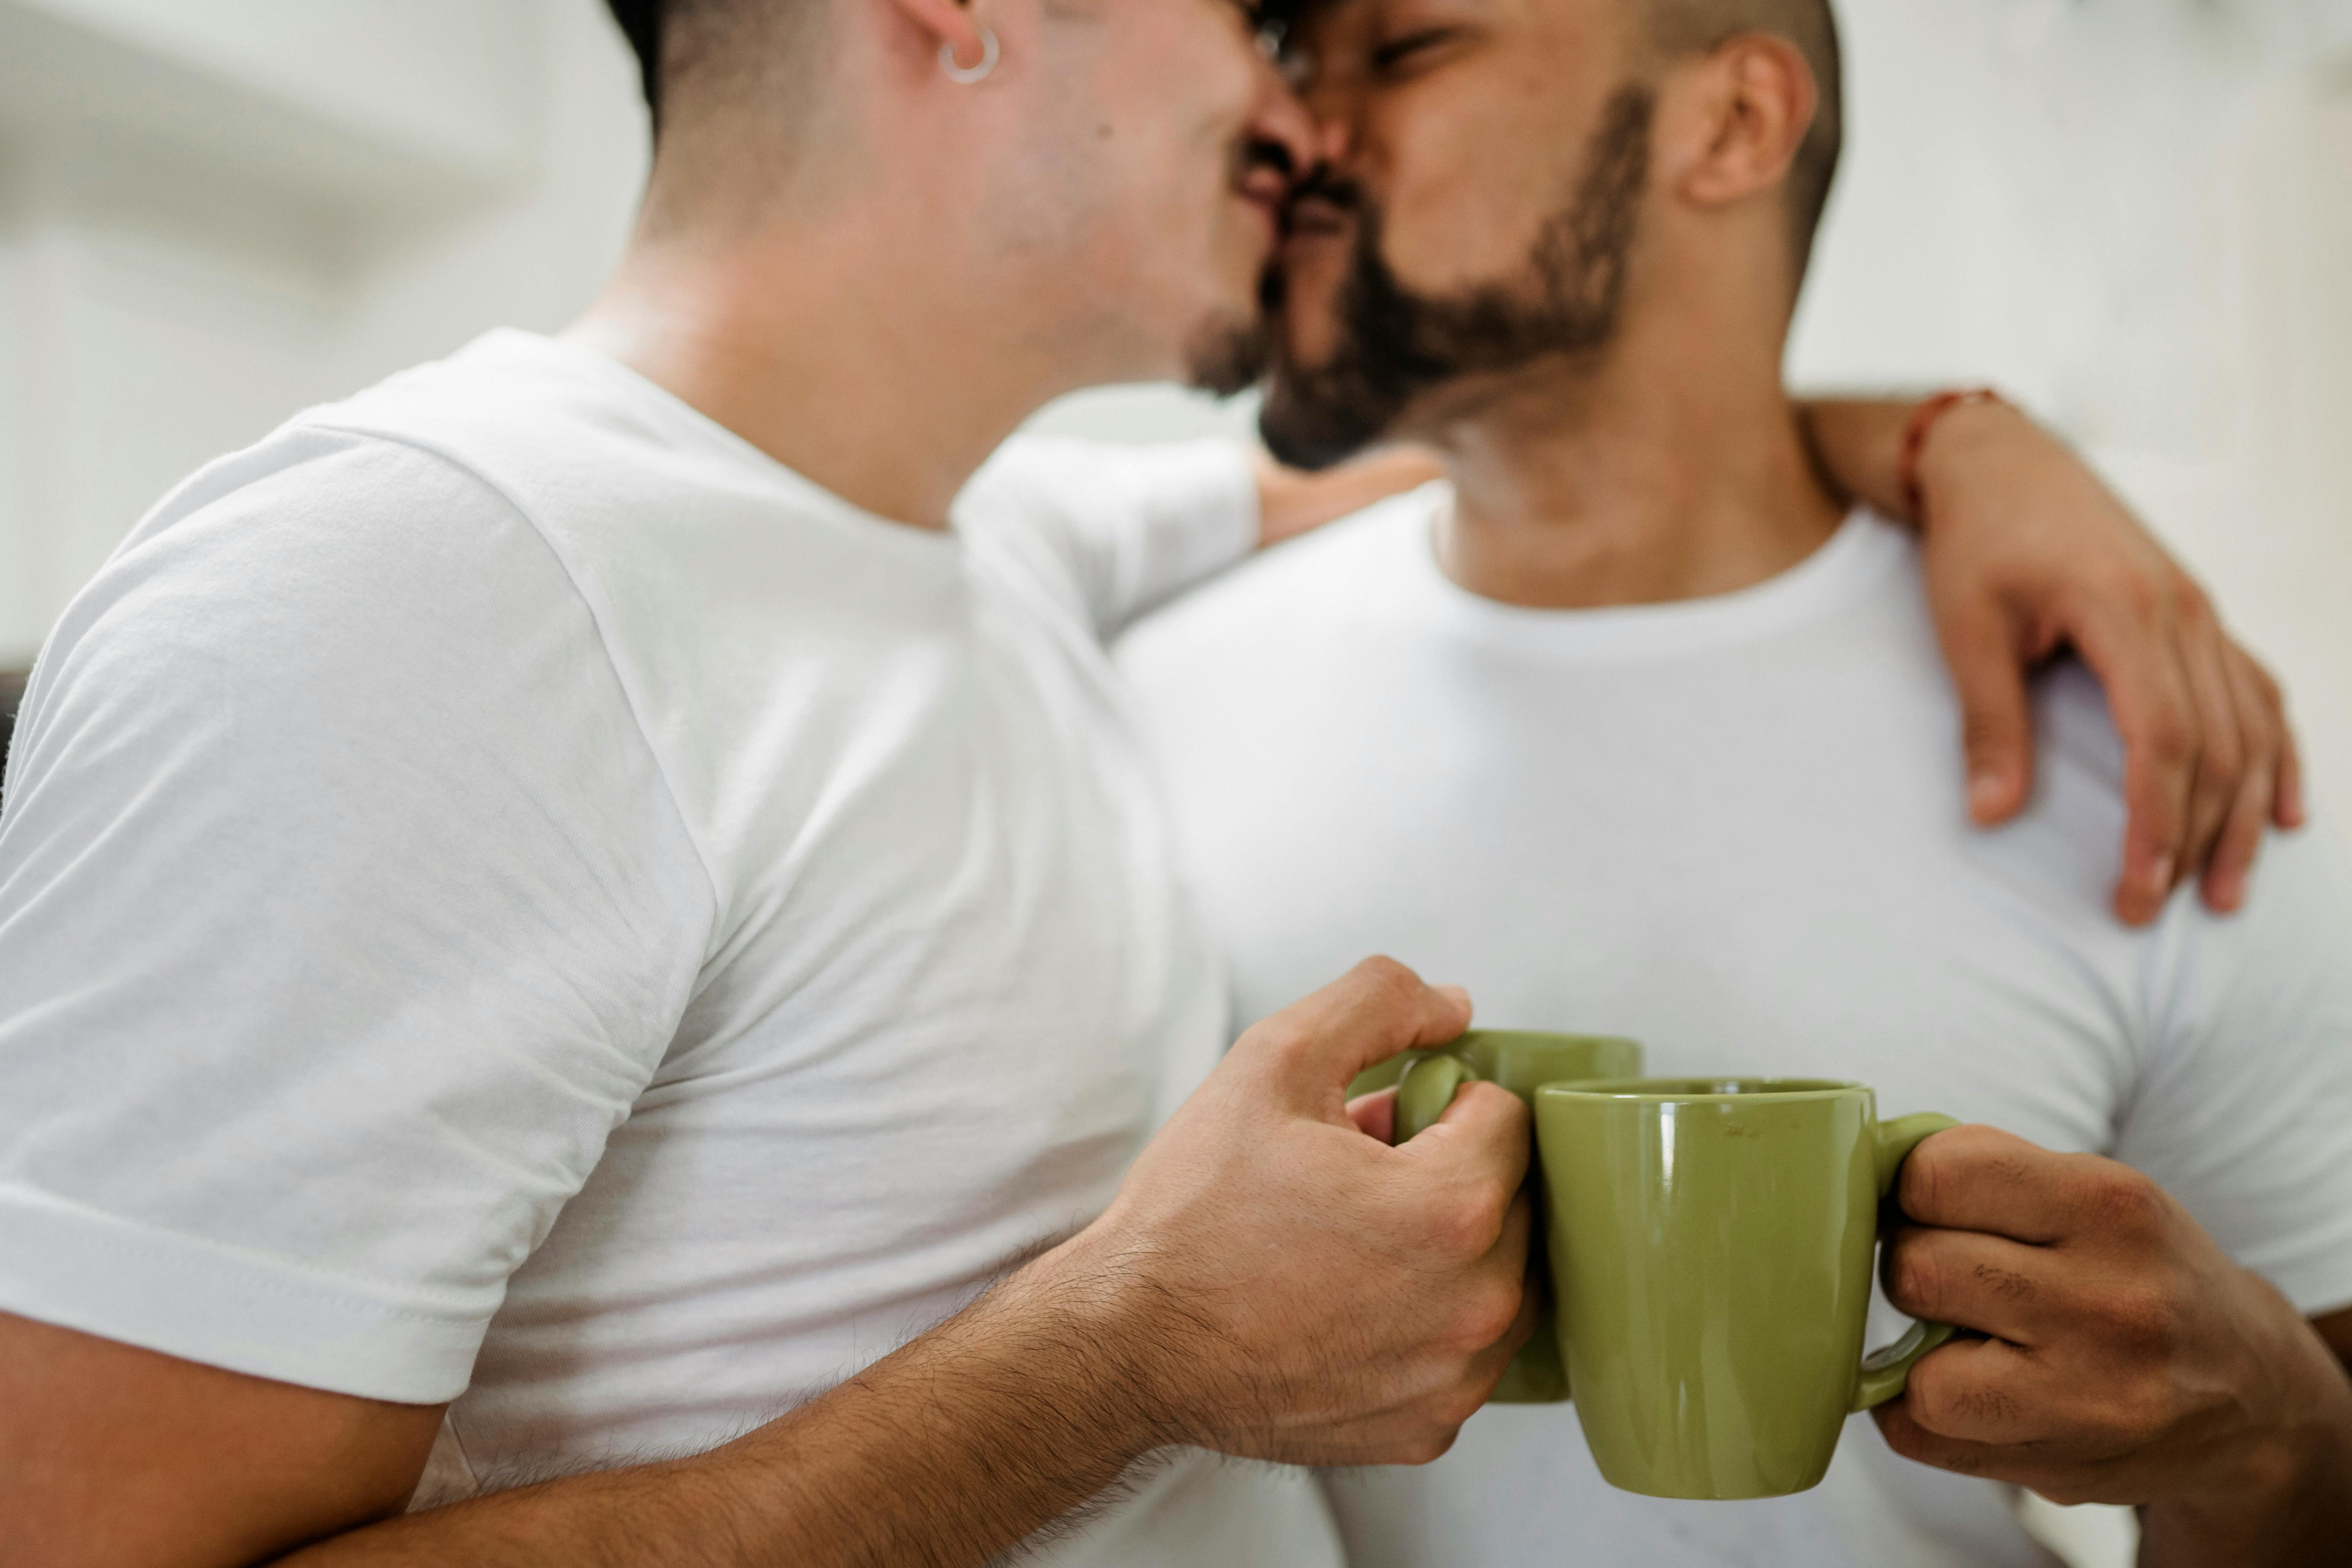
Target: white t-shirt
x,y
1735,830
508,895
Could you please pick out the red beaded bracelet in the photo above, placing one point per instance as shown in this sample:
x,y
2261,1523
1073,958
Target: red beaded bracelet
x,y
1915,441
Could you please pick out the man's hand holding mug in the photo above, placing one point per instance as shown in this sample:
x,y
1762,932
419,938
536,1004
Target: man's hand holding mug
x,y
2123,1359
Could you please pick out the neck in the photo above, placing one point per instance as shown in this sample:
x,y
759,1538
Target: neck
x,y
1675,467
831,346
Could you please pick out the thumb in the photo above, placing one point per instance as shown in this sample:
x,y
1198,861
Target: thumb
x,y
1989,670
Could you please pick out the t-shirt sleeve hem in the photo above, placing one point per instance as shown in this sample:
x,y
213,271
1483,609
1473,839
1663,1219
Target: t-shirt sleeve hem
x,y
64,1264
1205,502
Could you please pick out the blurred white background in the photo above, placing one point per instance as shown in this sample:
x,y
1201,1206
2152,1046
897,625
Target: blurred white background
x,y
2135,216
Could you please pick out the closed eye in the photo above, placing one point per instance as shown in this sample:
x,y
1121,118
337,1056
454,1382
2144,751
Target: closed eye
x,y
1391,55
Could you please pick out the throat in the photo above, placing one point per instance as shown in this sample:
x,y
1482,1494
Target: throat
x,y
1578,526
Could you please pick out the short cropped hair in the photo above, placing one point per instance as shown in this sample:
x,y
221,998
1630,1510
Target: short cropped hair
x,y
685,44
640,22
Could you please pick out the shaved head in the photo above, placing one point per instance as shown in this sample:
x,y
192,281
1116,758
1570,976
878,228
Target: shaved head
x,y
1678,28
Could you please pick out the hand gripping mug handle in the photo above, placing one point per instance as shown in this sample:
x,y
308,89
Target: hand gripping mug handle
x,y
1429,1085
1886,1372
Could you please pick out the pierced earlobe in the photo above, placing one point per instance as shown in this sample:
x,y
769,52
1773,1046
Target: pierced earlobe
x,y
970,76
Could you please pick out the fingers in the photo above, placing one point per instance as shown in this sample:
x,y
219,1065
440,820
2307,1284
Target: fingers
x,y
1988,659
1973,1280
1485,1136
1978,1391
2012,1462
2288,811
1982,1179
2241,840
2264,792
2223,729
2131,648
1316,1048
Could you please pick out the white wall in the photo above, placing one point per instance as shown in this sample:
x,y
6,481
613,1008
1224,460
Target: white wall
x,y
213,217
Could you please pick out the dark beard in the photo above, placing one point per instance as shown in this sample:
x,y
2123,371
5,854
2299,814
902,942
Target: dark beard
x,y
1395,344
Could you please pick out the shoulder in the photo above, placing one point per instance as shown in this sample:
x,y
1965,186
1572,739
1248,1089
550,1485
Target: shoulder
x,y
337,610
1359,569
318,539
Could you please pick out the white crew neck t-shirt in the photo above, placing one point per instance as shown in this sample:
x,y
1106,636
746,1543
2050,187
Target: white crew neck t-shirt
x,y
1735,829
509,896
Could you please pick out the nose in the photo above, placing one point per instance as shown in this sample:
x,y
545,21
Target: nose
x,y
1280,120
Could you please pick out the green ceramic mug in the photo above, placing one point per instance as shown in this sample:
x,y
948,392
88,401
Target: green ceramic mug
x,y
1426,1082
1712,1242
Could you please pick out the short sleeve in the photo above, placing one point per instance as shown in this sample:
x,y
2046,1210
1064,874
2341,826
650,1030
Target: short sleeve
x,y
344,915
1115,529
2244,1112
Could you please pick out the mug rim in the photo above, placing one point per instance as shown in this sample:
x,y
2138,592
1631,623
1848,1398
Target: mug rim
x,y
1657,1090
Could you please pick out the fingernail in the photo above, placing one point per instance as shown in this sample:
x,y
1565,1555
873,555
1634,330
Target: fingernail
x,y
2226,894
1459,995
1988,795
2159,879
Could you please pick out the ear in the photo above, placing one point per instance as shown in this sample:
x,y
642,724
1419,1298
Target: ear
x,y
1737,118
955,24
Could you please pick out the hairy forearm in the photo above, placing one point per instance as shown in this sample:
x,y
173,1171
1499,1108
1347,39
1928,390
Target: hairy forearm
x,y
944,1454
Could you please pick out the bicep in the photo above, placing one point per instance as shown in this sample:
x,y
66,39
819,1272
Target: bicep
x,y
117,1456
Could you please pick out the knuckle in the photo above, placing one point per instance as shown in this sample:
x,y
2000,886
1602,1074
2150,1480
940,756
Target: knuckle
x,y
1915,1280
2225,756
2123,1201
1933,1395
1386,977
1428,1448
1486,1316
1465,1223
2140,593
2170,736
2191,605
2143,1321
1459,1405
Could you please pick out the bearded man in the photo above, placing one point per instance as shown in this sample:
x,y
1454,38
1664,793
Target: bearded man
x,y
1639,725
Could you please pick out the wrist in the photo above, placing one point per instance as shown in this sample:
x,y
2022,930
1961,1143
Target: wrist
x,y
1949,436
2284,1496
1092,1318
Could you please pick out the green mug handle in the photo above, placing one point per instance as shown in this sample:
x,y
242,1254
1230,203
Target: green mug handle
x,y
1428,1087
1886,1372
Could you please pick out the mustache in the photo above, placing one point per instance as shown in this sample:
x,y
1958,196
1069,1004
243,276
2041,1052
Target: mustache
x,y
1326,186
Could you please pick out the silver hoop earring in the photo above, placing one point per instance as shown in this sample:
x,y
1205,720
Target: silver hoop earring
x,y
972,75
